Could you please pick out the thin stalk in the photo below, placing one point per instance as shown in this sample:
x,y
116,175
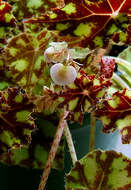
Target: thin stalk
x,y
70,144
52,153
92,132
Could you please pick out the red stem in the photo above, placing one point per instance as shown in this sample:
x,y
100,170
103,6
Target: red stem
x,y
52,153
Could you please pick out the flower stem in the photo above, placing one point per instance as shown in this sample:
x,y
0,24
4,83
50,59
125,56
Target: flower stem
x,y
52,153
70,144
92,132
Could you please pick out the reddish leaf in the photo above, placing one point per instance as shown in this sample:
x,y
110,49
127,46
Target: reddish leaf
x,y
6,16
16,124
92,21
83,95
115,113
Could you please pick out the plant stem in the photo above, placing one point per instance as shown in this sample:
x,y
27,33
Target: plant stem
x,y
92,132
52,153
70,144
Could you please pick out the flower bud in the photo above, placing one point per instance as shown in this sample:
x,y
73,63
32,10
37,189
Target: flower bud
x,y
63,75
57,52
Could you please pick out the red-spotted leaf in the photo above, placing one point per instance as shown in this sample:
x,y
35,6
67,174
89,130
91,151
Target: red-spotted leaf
x,y
115,113
16,124
103,170
6,16
83,95
24,56
92,21
35,155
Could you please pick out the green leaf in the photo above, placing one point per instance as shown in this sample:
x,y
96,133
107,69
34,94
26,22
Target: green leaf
x,y
126,54
124,69
101,170
79,53
124,65
24,56
35,155
16,124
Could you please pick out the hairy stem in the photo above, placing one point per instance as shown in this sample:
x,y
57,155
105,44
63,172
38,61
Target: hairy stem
x,y
70,144
92,132
52,153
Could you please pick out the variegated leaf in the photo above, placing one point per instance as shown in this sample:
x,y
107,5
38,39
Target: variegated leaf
x,y
24,56
103,170
115,113
6,16
5,76
123,37
93,22
83,95
35,155
28,8
16,124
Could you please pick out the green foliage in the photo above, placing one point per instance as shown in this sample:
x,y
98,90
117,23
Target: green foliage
x,y
24,56
100,170
80,33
